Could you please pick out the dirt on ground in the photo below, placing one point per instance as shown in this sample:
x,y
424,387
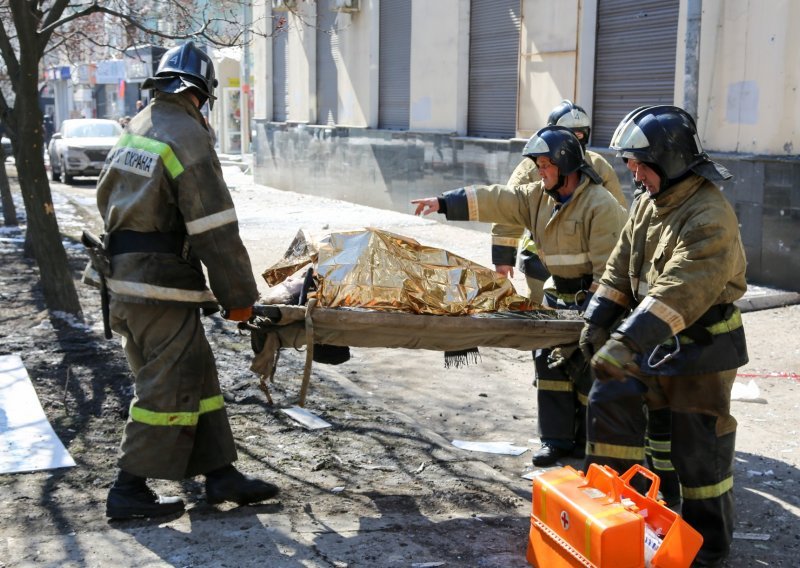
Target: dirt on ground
x,y
382,487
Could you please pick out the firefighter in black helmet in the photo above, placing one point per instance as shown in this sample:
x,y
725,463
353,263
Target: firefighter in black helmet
x,y
674,276
168,215
575,224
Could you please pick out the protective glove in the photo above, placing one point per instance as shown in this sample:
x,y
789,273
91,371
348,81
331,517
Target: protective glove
x,y
593,337
614,361
238,314
559,356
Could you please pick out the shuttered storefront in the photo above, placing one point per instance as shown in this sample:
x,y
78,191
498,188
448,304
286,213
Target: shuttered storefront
x,y
494,29
327,55
634,60
394,64
280,77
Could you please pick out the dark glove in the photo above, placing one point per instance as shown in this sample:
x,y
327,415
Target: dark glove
x,y
614,361
238,314
593,337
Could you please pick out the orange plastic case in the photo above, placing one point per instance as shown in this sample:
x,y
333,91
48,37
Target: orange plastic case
x,y
600,521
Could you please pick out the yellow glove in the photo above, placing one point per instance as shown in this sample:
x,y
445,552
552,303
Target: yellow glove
x,y
614,361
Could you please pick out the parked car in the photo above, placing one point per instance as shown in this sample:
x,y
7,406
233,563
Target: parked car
x,y
81,146
7,150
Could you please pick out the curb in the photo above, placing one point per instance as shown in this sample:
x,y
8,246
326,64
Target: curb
x,y
774,299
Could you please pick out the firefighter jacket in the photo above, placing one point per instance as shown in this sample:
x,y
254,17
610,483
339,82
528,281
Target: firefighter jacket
x,y
506,239
168,211
574,239
679,266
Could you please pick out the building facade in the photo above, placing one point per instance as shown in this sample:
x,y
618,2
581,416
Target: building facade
x,y
379,101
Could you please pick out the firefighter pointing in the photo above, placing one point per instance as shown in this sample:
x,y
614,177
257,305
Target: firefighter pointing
x,y
168,214
575,223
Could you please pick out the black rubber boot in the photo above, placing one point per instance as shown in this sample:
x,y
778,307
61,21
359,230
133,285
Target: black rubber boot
x,y
229,484
131,498
549,454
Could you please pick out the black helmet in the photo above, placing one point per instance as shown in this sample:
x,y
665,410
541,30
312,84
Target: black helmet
x,y
563,148
665,137
571,116
183,67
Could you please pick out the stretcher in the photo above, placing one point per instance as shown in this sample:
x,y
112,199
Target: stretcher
x,y
289,326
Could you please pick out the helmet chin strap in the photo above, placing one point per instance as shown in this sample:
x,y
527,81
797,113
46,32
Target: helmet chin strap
x,y
553,191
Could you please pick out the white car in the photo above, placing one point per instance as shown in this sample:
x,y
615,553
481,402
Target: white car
x,y
81,146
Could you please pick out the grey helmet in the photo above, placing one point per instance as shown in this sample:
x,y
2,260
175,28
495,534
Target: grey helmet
x,y
571,116
563,149
184,67
665,137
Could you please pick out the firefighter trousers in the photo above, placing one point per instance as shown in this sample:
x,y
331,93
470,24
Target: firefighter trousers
x,y
561,394
177,426
703,434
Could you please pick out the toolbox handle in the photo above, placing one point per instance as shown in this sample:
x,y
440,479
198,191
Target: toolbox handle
x,y
607,480
655,481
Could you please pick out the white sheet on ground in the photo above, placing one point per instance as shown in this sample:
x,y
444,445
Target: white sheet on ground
x,y
27,441
490,447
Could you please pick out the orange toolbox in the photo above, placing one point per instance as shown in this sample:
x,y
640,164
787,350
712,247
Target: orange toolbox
x,y
600,521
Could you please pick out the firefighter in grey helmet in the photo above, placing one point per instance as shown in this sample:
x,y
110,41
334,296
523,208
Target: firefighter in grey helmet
x,y
169,218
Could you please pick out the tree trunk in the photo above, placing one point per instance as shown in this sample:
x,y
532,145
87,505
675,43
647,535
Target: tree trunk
x,y
43,233
9,210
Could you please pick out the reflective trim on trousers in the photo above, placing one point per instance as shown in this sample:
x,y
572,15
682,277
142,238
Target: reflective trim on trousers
x,y
708,491
153,418
615,451
659,445
557,386
662,465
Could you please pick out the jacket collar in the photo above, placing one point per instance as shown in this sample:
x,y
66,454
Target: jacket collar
x,y
181,101
676,195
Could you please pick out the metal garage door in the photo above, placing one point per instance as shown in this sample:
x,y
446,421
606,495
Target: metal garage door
x,y
493,68
394,64
327,55
634,61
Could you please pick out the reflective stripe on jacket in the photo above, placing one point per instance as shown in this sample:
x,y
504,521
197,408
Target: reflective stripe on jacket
x,y
573,242
163,176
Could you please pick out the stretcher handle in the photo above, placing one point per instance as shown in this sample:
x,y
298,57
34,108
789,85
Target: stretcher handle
x,y
655,481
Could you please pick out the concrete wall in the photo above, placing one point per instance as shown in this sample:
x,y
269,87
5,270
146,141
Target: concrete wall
x,y
262,60
439,66
548,60
357,66
748,96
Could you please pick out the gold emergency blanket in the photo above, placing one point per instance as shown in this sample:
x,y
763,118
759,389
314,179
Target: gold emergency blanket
x,y
378,270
